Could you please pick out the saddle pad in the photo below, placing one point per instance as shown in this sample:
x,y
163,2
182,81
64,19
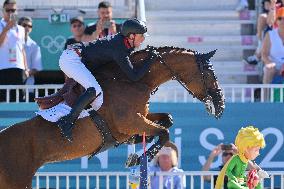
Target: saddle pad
x,y
53,114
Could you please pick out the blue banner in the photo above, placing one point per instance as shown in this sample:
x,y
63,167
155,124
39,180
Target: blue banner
x,y
194,132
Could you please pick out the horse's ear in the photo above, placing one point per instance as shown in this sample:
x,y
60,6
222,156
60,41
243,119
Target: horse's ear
x,y
209,55
201,57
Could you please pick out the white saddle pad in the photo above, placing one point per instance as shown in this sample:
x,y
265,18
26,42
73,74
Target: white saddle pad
x,y
55,113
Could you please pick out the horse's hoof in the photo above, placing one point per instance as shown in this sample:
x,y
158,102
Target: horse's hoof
x,y
132,160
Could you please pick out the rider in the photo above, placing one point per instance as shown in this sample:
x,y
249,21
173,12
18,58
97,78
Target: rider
x,y
76,60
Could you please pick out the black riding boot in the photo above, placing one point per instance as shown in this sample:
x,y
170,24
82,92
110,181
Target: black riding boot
x,y
67,122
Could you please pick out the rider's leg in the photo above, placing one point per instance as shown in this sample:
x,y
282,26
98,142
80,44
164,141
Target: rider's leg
x,y
70,63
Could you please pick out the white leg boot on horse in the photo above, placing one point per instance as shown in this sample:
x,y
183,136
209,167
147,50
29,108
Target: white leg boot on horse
x,y
67,122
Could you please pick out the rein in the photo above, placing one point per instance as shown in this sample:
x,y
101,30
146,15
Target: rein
x,y
176,76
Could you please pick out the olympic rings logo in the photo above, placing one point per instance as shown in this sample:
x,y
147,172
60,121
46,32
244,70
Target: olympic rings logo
x,y
53,45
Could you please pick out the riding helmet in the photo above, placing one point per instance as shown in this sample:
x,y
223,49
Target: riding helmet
x,y
133,26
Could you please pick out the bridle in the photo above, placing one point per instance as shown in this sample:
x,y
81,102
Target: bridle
x,y
176,76
213,96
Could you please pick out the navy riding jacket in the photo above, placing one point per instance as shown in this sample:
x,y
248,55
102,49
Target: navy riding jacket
x,y
112,49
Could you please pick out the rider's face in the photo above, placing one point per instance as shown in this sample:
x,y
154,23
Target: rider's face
x,y
138,39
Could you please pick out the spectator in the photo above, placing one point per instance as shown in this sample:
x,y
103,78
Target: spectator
x,y
264,24
12,54
272,6
77,29
243,5
273,50
33,54
227,152
167,161
105,24
271,18
262,27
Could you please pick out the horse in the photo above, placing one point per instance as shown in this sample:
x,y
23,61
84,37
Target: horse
x,y
26,146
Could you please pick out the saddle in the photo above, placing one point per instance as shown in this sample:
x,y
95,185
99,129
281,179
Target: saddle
x,y
70,91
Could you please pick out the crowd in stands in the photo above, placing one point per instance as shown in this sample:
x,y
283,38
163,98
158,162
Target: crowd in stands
x,y
13,67
270,41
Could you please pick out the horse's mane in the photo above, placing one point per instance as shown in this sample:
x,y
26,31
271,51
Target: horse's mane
x,y
112,70
164,49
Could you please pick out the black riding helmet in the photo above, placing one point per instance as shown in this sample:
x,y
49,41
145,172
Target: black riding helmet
x,y
133,26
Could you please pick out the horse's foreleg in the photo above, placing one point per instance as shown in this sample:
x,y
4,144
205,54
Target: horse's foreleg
x,y
134,160
163,135
138,125
164,120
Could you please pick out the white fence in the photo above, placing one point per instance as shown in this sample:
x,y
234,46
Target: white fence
x,y
117,180
233,93
243,93
24,90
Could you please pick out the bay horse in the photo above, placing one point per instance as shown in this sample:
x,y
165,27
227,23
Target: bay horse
x,y
26,146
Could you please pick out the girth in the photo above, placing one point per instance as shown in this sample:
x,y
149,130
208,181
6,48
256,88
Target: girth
x,y
108,140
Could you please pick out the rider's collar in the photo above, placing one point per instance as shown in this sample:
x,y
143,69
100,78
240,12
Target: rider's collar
x,y
126,43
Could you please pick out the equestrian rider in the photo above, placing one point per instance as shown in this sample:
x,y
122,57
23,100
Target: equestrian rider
x,y
76,60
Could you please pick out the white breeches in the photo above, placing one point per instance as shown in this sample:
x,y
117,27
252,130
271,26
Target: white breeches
x,y
70,63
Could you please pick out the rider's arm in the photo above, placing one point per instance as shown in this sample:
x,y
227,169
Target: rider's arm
x,y
134,74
